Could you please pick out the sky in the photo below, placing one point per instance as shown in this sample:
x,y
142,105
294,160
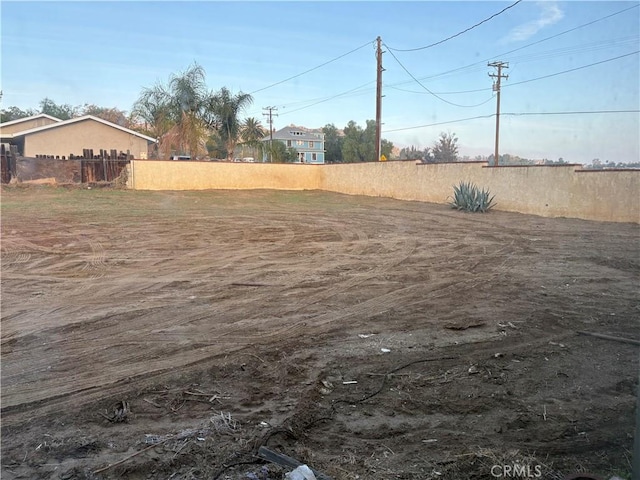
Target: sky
x,y
106,53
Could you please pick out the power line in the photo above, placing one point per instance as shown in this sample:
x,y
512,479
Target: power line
x,y
457,34
429,91
576,49
481,63
441,93
529,80
574,69
512,114
568,31
326,99
440,123
584,112
311,69
436,94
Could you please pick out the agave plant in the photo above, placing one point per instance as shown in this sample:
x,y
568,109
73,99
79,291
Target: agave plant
x,y
467,196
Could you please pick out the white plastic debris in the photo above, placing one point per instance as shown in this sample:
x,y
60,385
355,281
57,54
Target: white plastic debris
x,y
301,473
366,335
385,350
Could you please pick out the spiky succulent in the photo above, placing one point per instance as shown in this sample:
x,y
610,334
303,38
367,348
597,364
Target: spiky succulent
x,y
468,197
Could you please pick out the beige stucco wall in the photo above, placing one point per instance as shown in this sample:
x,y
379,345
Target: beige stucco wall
x,y
186,175
558,191
27,124
72,138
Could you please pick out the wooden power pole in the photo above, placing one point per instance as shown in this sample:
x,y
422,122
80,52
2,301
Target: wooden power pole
x,y
270,116
496,88
379,99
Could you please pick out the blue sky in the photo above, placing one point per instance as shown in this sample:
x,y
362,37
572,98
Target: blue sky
x,y
105,53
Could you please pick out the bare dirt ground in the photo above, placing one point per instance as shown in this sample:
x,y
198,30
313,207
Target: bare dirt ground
x,y
170,335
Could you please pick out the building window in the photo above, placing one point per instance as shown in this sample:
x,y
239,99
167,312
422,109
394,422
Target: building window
x,y
314,156
288,143
300,143
310,144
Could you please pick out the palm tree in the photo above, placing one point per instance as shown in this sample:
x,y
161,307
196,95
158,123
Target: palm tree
x,y
252,133
174,112
153,109
189,96
223,113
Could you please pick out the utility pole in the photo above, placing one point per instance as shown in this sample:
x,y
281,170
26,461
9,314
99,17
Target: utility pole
x,y
379,99
270,121
496,88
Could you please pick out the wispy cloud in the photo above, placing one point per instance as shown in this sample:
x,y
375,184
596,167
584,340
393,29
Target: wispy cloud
x,y
550,13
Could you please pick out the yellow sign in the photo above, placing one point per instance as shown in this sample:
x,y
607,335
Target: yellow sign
x,y
383,158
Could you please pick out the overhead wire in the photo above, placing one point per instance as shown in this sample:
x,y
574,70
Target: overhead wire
x,y
429,91
511,114
457,34
328,99
526,81
481,63
571,69
311,69
531,57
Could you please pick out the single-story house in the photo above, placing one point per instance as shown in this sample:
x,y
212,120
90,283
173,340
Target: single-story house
x,y
27,123
309,144
49,136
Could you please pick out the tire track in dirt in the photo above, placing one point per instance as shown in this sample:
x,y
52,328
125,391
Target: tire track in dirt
x,y
136,360
96,265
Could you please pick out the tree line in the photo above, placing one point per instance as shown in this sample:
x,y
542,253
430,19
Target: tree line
x,y
443,150
188,118
66,112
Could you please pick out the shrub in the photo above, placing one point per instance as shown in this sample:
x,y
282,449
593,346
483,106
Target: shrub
x,y
467,196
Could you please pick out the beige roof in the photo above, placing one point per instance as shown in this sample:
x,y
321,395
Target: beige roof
x,y
26,119
62,123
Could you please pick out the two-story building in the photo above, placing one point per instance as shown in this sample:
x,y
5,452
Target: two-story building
x,y
308,143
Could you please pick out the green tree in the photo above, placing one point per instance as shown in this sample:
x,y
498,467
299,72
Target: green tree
x,y
188,98
332,144
223,110
15,113
63,112
174,113
279,153
445,149
359,145
215,147
152,115
368,147
386,148
413,153
252,132
352,144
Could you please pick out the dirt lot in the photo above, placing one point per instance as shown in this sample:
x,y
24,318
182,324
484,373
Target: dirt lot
x,y
170,335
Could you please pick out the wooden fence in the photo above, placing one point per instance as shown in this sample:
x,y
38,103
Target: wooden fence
x,y
27,169
101,170
8,162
